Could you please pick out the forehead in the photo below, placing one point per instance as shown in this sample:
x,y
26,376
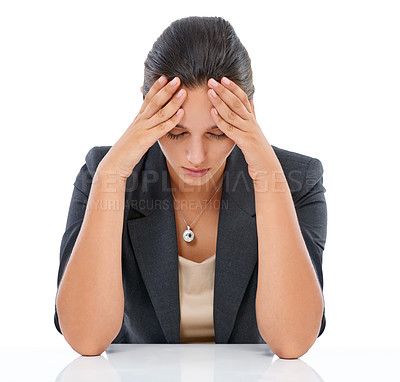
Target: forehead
x,y
197,107
180,126
197,98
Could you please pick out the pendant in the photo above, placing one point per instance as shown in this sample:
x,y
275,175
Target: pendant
x,y
188,235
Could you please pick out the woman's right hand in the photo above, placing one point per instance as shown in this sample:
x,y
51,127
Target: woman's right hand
x,y
152,122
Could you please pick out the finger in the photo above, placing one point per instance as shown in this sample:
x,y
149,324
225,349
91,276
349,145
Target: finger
x,y
225,112
223,88
164,127
169,109
160,99
152,134
155,88
231,131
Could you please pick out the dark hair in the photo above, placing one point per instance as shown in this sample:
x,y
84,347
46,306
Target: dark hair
x,y
195,49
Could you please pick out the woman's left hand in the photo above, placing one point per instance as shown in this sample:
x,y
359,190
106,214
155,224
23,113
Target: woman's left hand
x,y
237,120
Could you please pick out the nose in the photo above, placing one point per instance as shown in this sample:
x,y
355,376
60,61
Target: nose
x,y
196,153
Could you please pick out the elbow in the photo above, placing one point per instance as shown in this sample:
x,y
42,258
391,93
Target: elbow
x,y
294,349
91,354
292,344
84,348
82,344
290,352
89,351
291,349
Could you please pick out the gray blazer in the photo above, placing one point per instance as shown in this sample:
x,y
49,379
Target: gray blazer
x,y
150,252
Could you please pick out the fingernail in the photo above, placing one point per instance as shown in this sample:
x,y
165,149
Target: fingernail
x,y
213,82
225,81
174,81
161,79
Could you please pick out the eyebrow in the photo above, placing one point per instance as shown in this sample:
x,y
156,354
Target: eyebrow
x,y
210,128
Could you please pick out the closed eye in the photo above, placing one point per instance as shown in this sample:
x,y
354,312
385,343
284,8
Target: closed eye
x,y
178,136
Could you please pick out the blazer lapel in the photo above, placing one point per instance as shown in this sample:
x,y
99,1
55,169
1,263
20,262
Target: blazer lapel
x,y
237,246
154,241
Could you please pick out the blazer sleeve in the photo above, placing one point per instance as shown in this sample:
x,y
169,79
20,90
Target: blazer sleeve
x,y
311,212
76,213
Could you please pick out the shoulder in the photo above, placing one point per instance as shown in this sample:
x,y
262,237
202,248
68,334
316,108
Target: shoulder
x,y
85,175
92,160
293,159
302,171
94,157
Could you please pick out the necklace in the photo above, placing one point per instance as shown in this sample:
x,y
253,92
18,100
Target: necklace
x,y
188,234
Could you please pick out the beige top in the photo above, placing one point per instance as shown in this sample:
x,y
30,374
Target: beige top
x,y
196,293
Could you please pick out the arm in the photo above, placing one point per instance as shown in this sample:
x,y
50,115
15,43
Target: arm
x,y
289,299
90,298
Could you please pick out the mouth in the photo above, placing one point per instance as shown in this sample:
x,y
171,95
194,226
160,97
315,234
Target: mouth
x,y
194,172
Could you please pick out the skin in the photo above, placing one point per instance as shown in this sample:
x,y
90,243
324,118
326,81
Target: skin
x,y
196,148
289,301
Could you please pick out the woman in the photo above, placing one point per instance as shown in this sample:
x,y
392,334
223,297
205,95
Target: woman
x,y
156,253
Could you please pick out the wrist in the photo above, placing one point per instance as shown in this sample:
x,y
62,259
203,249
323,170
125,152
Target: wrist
x,y
271,181
109,180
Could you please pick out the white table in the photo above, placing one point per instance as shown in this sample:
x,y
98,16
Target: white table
x,y
198,362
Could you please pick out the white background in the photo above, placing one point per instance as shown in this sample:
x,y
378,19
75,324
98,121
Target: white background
x,y
327,82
